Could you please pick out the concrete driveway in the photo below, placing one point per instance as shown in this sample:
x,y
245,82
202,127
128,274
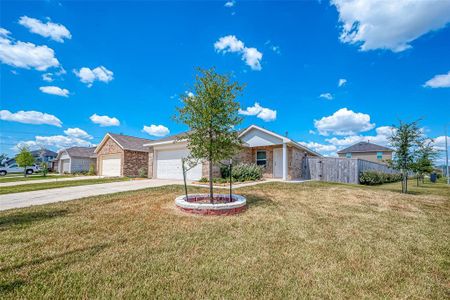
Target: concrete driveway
x,y
26,199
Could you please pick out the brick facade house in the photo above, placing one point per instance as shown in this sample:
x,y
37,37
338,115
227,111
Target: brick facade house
x,y
122,155
280,156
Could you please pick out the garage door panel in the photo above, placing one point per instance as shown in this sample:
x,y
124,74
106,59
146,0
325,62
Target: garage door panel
x,y
111,167
65,166
169,165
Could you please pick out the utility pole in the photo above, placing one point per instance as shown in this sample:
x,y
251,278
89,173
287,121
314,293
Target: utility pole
x,y
446,155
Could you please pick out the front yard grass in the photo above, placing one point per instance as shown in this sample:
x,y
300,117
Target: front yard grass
x,y
55,184
9,178
310,240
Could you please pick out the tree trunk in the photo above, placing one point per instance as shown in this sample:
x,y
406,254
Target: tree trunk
x,y
417,180
211,195
25,171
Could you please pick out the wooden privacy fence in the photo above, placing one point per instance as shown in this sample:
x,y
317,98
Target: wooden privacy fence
x,y
340,169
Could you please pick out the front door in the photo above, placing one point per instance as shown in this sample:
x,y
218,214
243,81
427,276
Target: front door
x,y
278,162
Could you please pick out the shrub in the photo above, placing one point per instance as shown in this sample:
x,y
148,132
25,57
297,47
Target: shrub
x,y
91,169
44,168
376,178
142,172
242,172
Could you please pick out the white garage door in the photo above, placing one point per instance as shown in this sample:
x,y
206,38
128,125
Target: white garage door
x,y
168,165
111,166
65,166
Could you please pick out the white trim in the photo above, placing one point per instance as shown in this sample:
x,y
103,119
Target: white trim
x,y
104,141
283,138
164,143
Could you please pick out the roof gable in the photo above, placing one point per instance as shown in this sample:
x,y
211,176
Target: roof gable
x,y
126,142
364,147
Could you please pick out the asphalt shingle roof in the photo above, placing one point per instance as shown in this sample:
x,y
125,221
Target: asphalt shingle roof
x,y
43,152
364,147
130,142
81,151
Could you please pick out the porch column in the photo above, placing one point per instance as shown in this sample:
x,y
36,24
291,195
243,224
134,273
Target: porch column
x,y
285,162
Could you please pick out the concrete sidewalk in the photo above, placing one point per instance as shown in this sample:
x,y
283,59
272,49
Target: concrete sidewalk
x,y
32,181
26,199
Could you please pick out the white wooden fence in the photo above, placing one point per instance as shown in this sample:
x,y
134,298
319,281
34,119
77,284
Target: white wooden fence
x,y
339,169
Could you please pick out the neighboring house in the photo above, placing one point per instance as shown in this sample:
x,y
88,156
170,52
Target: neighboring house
x,y
367,151
42,155
280,156
122,155
75,159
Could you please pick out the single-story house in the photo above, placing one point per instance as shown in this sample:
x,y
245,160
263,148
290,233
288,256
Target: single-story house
x,y
280,156
75,159
367,151
122,155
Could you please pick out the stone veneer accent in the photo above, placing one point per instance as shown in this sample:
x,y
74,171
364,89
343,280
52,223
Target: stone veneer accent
x,y
295,163
134,161
205,170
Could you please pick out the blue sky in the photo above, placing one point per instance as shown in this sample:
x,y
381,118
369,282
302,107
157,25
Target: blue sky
x,y
117,67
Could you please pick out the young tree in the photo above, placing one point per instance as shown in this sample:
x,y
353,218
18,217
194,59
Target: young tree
x,y
24,159
405,139
211,113
423,163
44,168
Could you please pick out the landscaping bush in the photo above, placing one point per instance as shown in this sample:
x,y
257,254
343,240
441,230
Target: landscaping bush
x,y
242,172
142,172
215,180
91,169
376,178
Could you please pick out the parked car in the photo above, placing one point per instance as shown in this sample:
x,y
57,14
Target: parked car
x,y
14,168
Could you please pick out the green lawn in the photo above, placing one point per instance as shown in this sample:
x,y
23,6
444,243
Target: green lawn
x,y
56,184
311,240
9,178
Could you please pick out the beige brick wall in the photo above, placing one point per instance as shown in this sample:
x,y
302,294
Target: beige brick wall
x,y
268,171
108,148
205,170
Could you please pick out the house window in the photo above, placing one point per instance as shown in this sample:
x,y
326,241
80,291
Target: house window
x,y
261,158
348,155
379,155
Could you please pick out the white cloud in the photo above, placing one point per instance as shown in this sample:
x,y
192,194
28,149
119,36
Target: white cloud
x,y
30,117
393,25
327,96
190,94
25,55
88,76
439,81
230,3
439,142
265,114
344,122
78,133
104,120
319,147
47,77
156,130
381,138
252,58
56,32
342,82
230,43
54,141
54,90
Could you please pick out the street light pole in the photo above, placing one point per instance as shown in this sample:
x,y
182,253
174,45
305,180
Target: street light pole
x,y
446,155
